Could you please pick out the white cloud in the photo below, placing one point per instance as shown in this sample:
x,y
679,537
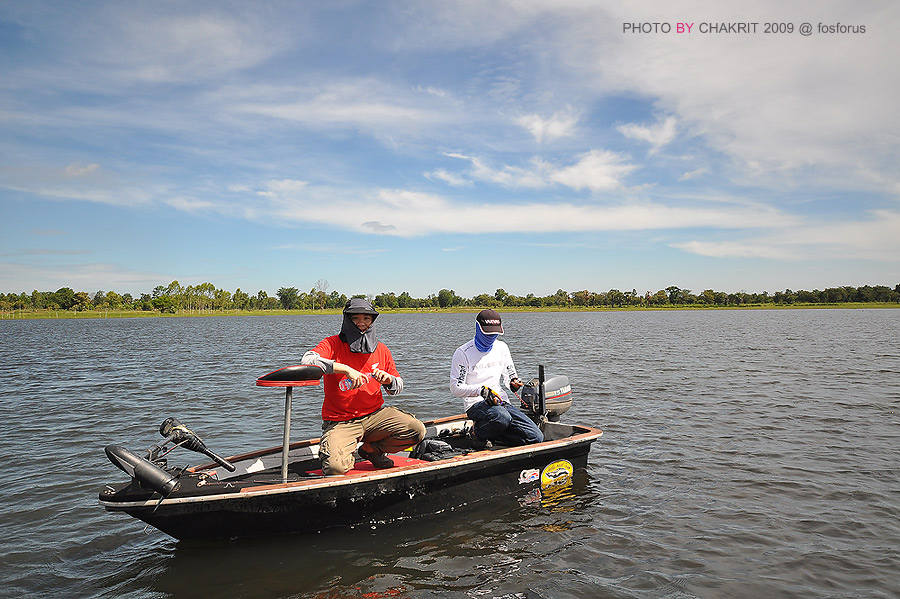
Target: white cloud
x,y
732,249
595,171
283,186
80,183
365,104
433,91
375,226
409,214
771,102
692,174
561,124
532,177
190,204
78,170
452,179
658,135
874,238
160,46
820,108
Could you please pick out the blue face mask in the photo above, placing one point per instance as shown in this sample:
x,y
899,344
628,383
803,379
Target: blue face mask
x,y
483,341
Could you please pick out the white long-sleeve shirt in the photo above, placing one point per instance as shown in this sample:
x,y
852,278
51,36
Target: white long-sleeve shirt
x,y
471,370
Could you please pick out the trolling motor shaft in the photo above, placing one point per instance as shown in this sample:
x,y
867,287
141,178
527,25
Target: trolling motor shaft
x,y
173,430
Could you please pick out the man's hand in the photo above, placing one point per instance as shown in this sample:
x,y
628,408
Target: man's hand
x,y
357,378
382,377
515,384
490,396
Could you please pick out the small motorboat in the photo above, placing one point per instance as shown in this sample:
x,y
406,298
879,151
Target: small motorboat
x,y
282,489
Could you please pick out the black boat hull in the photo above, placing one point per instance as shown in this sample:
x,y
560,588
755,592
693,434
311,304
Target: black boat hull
x,y
218,509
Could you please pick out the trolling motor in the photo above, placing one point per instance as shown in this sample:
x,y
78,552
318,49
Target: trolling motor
x,y
180,435
151,470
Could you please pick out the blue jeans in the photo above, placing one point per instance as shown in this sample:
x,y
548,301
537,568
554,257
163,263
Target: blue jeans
x,y
504,424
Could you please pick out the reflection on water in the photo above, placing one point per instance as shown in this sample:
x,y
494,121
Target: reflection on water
x,y
744,454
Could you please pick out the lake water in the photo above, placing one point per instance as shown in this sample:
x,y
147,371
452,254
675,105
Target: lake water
x,y
745,454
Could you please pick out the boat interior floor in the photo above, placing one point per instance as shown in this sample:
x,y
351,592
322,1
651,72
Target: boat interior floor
x,y
433,448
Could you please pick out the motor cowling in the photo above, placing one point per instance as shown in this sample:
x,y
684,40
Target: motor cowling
x,y
557,396
145,472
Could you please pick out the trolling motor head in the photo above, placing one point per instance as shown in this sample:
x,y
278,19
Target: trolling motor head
x,y
173,430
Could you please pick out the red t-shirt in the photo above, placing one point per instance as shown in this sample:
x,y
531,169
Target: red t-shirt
x,y
345,405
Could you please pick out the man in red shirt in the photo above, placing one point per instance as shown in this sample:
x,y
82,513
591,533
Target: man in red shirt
x,y
357,367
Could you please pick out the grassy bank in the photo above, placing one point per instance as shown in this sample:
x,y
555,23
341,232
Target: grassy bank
x,y
100,314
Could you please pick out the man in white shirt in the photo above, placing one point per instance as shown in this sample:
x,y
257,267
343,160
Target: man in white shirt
x,y
477,373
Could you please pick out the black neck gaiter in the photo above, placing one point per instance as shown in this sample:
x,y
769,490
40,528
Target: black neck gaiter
x,y
360,343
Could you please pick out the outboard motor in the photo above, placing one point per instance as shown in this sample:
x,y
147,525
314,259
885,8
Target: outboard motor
x,y
556,392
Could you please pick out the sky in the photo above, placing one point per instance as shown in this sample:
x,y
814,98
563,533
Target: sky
x,y
373,147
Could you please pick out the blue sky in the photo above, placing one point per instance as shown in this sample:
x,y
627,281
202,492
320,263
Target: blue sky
x,y
413,146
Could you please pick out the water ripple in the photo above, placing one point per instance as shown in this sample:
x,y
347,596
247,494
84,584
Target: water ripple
x,y
745,454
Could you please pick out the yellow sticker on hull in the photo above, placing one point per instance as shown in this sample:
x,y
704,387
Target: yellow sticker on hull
x,y
557,473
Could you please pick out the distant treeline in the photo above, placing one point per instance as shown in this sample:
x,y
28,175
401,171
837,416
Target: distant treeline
x,y
206,297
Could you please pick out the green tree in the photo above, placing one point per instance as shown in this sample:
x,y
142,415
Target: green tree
x,y
99,299
660,298
484,300
446,298
288,296
387,300
560,298
880,293
205,295
405,300
581,298
164,303
221,299
64,298
262,300
81,301
336,300
23,301
240,299
632,298
114,300
615,298
674,294
533,301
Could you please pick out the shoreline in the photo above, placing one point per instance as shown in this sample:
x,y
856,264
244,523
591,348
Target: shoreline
x,y
101,314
